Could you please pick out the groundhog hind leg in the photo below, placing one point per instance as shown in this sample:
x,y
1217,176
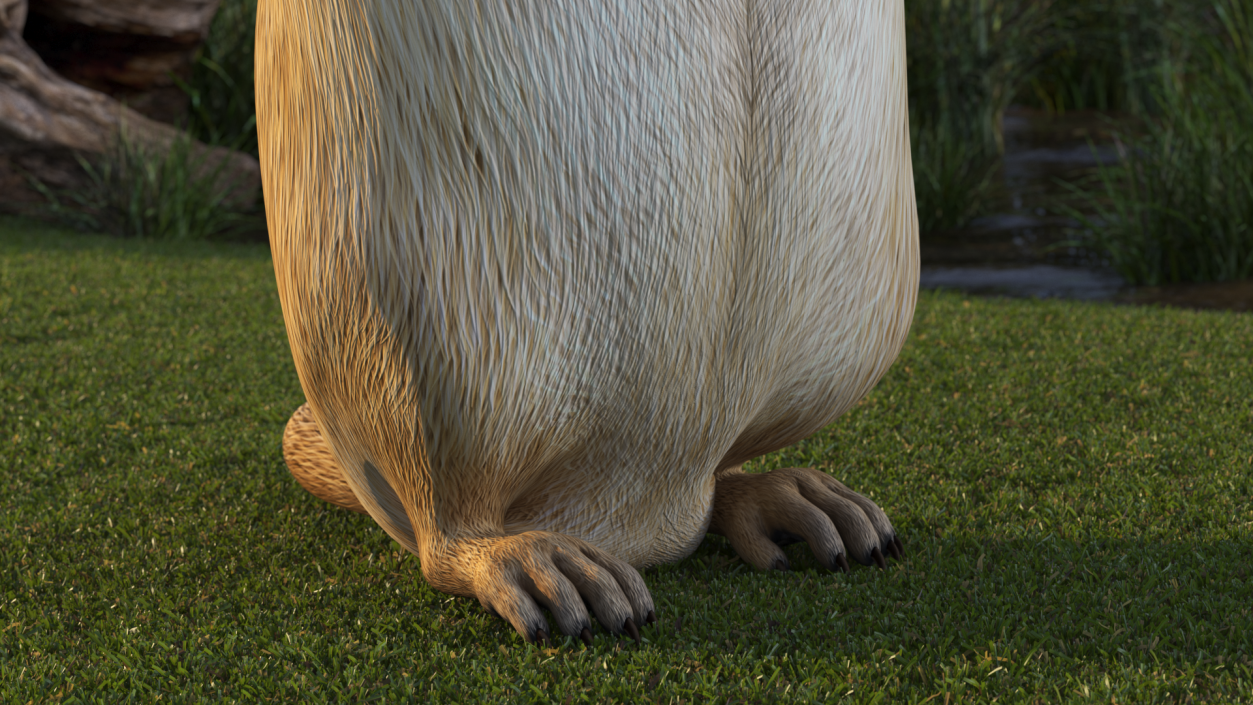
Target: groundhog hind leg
x,y
313,465
513,576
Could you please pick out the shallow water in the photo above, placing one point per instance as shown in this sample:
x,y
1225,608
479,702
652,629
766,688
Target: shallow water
x,y
1043,281
1022,249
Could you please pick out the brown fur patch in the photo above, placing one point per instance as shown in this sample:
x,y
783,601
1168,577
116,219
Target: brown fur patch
x,y
313,464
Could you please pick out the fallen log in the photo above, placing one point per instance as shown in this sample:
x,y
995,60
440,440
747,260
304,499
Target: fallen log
x,y
46,119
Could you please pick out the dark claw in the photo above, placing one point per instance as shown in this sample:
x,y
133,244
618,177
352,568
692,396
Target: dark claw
x,y
900,548
629,627
841,562
879,560
890,547
586,636
781,564
541,637
650,618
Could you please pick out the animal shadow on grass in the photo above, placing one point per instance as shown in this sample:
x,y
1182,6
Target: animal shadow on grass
x,y
1044,595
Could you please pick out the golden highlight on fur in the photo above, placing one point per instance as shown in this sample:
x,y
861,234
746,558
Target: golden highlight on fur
x,y
553,271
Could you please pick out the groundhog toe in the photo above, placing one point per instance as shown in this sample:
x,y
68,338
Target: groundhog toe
x,y
758,513
514,576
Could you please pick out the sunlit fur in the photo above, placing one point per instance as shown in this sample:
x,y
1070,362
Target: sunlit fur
x,y
553,265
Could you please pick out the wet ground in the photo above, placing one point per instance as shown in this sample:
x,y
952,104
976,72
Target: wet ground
x,y
1023,250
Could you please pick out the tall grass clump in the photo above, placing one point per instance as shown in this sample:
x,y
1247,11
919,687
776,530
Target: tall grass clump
x,y
137,190
220,89
967,59
1178,207
1109,54
183,192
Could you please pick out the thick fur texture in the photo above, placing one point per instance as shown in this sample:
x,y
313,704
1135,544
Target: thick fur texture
x,y
313,464
552,271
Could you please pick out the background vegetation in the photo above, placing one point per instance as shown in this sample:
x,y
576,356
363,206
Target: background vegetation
x,y
968,60
134,191
1071,481
1175,75
221,87
1179,206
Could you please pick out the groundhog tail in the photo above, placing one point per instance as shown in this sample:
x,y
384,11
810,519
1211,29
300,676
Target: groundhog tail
x,y
313,465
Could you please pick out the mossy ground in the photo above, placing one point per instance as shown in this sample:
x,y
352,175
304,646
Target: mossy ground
x,y
1072,482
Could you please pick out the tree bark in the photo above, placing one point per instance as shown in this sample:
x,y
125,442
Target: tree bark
x,y
159,18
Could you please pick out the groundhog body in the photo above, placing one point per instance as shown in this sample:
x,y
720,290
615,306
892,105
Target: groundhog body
x,y
557,267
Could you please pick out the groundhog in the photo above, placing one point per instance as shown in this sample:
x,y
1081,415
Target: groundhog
x,y
552,272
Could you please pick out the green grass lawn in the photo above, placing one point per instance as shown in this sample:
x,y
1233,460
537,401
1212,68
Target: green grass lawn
x,y
1072,482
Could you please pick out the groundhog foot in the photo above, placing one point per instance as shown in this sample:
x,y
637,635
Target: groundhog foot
x,y
759,513
312,463
513,576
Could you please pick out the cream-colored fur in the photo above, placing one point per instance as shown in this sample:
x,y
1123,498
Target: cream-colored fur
x,y
549,270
